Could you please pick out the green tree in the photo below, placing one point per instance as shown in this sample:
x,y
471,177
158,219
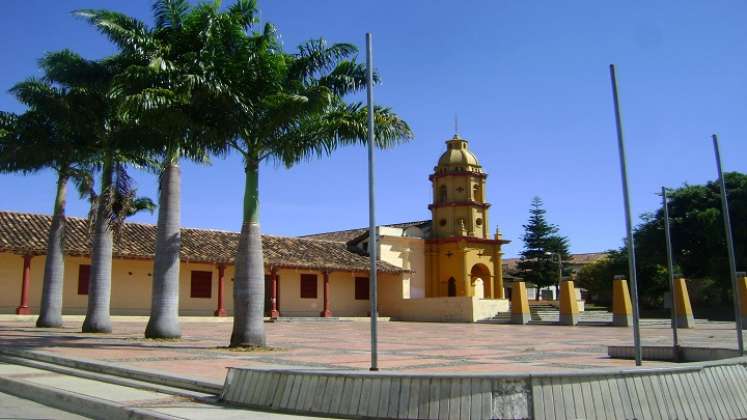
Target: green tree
x,y
166,88
50,134
597,277
285,108
542,246
698,246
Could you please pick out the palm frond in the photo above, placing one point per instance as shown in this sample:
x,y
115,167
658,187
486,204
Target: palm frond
x,y
314,56
82,177
170,13
347,77
70,69
36,93
127,33
244,11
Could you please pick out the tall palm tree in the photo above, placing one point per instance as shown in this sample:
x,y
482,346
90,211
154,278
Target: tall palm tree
x,y
288,108
166,88
115,143
50,134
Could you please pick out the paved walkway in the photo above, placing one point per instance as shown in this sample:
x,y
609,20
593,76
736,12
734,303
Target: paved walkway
x,y
404,346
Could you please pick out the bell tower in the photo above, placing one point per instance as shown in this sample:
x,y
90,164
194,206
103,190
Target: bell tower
x,y
459,208
461,257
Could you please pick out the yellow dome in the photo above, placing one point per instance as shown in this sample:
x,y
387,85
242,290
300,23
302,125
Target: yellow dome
x,y
458,154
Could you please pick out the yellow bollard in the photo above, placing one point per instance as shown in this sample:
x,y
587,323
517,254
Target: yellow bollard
x,y
622,310
684,316
568,304
519,304
742,287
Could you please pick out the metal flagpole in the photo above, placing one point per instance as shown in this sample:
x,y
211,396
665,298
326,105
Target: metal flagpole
x,y
729,246
628,220
372,238
670,266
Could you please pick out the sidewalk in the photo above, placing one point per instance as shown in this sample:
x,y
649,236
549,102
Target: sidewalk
x,y
97,399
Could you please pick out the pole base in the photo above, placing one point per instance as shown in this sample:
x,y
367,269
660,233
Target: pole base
x,y
325,313
23,310
685,321
622,320
220,312
568,319
744,322
522,319
274,314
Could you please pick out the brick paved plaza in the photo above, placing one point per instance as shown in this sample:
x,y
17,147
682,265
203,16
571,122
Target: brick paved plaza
x,y
404,346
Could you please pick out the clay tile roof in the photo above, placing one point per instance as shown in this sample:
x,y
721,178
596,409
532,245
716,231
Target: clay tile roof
x,y
23,233
510,264
345,236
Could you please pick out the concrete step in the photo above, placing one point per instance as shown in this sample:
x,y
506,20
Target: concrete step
x,y
102,396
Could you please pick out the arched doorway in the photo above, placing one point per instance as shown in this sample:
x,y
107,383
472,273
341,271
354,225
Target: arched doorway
x,y
451,287
480,281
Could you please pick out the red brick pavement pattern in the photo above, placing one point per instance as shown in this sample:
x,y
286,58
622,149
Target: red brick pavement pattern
x,y
404,346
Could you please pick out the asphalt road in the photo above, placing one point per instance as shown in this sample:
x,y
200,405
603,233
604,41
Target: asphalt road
x,y
17,408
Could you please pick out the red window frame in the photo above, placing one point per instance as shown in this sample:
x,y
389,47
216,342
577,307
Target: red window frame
x,y
84,278
362,288
201,284
309,284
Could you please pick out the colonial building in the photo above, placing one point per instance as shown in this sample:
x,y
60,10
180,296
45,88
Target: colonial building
x,y
446,268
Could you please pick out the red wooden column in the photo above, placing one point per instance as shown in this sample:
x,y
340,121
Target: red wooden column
x,y
220,311
274,312
23,308
326,313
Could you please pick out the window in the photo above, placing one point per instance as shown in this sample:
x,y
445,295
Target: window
x,y
84,276
308,286
361,288
202,284
477,193
442,194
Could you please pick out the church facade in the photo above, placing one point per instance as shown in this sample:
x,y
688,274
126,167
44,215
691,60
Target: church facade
x,y
448,268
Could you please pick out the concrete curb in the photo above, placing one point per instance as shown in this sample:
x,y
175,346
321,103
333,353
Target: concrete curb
x,y
694,391
109,369
76,403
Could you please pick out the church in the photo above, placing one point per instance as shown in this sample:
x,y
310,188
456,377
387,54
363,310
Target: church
x,y
448,268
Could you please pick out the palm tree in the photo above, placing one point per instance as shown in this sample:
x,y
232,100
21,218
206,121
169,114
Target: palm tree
x,y
166,88
114,143
50,134
288,108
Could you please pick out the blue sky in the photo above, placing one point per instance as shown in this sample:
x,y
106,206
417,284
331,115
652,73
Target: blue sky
x,y
528,79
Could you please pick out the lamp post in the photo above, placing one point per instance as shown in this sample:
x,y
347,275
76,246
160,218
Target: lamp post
x,y
560,271
729,245
670,268
629,240
372,238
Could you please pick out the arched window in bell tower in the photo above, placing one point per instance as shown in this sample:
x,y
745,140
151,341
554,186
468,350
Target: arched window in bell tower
x,y
477,193
442,194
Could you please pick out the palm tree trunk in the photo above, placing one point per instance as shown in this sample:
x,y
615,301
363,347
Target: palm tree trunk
x,y
50,310
249,284
98,319
164,309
